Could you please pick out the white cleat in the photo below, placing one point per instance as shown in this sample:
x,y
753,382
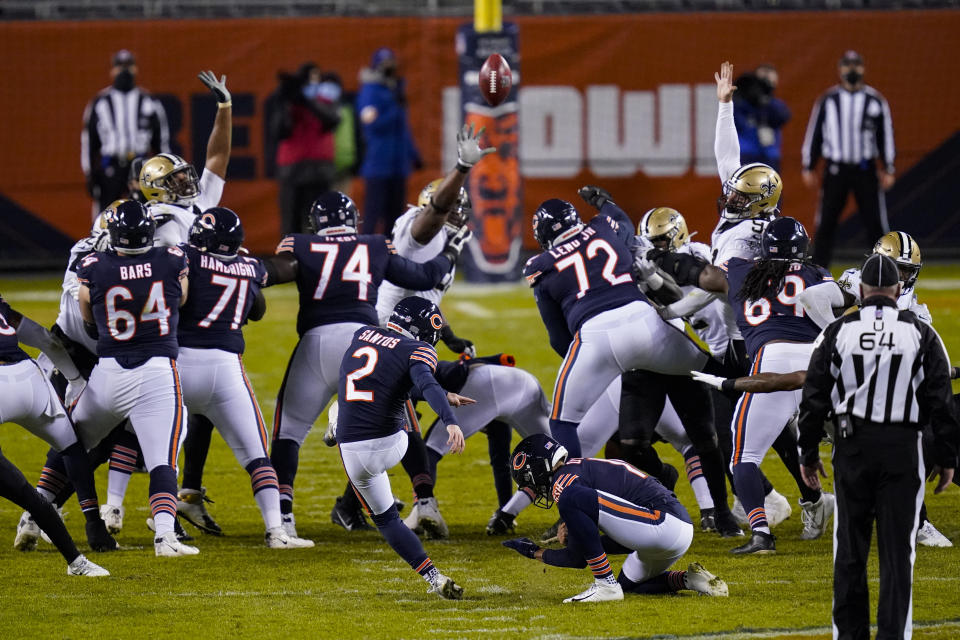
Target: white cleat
x,y
429,518
28,533
289,524
599,592
167,546
83,567
816,515
777,508
445,587
112,517
277,538
413,518
330,435
928,536
43,534
702,581
738,513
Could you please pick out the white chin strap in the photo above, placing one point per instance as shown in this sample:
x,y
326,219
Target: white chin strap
x,y
566,235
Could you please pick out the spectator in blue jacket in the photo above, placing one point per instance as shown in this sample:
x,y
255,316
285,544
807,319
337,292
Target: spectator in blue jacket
x,y
390,152
759,116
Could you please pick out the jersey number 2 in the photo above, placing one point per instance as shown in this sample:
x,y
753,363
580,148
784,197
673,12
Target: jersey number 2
x,y
580,267
369,354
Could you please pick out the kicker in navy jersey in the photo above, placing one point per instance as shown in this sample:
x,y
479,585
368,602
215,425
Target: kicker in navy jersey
x,y
338,275
779,317
136,302
378,371
222,294
10,350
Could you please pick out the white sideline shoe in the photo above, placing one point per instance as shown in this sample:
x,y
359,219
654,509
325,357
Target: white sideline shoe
x,y
702,581
816,515
277,538
289,524
167,546
738,513
28,533
413,518
928,536
429,518
599,592
777,508
445,587
83,567
112,517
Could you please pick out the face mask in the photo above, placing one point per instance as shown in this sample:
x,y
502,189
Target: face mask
x,y
329,91
124,81
853,76
311,90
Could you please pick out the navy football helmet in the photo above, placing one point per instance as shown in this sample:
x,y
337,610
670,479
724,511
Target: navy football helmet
x,y
131,228
332,212
532,466
784,239
553,218
418,318
217,231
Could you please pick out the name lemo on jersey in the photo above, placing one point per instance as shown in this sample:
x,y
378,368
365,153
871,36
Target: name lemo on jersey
x,y
375,337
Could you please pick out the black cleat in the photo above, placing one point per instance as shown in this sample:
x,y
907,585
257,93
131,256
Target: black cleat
x,y
99,538
550,535
725,525
180,532
349,520
707,521
501,523
759,543
669,476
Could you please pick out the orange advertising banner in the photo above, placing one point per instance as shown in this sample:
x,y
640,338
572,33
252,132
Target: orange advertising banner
x,y
626,101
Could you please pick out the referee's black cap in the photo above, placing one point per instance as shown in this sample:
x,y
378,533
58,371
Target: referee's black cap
x,y
879,271
851,57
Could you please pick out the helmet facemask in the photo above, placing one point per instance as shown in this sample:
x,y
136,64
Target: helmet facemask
x,y
181,186
738,205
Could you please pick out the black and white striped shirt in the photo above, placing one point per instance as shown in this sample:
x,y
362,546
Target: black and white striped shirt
x,y
880,365
119,126
850,127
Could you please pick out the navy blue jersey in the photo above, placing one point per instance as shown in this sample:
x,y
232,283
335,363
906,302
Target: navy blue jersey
x,y
774,318
619,480
338,276
10,350
136,302
586,275
377,372
221,295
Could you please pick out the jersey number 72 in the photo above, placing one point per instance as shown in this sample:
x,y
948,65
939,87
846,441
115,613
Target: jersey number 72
x,y
580,268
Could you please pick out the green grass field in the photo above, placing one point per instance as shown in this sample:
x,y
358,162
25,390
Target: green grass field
x,y
353,586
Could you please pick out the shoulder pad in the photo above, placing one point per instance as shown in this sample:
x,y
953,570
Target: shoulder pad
x,y
177,251
533,270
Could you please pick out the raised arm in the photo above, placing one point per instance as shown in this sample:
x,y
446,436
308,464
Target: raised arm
x,y
218,145
819,302
420,277
726,144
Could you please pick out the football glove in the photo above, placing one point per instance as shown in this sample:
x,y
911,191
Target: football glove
x,y
714,381
523,546
217,87
457,344
469,152
456,242
595,196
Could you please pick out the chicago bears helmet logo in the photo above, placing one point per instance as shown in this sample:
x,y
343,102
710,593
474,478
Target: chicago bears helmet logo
x,y
208,220
519,460
436,321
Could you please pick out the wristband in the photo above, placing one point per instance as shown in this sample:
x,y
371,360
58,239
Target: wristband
x,y
463,168
225,105
728,385
655,282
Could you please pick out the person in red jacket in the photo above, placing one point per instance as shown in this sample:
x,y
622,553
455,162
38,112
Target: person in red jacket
x,y
303,124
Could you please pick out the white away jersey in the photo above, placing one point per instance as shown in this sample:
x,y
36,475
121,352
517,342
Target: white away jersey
x,y
850,283
710,322
177,230
390,294
69,318
737,239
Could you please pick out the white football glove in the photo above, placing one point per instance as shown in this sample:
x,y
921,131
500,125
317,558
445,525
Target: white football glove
x,y
456,243
714,381
74,388
469,152
217,87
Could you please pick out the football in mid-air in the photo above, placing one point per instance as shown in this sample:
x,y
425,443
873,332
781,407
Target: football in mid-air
x,y
496,79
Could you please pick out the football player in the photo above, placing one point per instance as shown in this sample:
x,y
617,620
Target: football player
x,y
602,324
224,294
609,507
379,369
28,398
338,274
130,299
779,338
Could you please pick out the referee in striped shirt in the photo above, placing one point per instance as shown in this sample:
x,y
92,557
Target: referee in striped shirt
x,y
851,128
121,123
882,373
